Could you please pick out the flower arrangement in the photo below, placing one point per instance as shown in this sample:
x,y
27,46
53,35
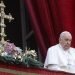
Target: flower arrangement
x,y
10,49
11,54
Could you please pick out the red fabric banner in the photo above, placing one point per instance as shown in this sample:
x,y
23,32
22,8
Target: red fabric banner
x,y
9,69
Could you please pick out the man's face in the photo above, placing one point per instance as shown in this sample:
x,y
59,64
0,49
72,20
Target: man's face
x,y
66,42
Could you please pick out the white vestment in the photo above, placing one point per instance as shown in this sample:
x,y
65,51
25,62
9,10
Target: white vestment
x,y
59,59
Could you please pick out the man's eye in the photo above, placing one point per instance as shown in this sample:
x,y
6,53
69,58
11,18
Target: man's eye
x,y
66,39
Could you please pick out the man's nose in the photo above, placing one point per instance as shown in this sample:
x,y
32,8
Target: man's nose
x,y
68,42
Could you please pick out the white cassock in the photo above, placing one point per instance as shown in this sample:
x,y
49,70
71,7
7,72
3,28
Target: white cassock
x,y
59,59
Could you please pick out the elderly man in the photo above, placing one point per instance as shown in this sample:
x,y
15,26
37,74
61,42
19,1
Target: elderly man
x,y
61,57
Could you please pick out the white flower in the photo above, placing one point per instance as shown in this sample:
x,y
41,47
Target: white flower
x,y
4,54
19,56
18,49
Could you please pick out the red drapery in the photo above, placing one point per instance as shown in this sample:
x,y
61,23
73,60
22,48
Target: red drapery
x,y
49,18
11,69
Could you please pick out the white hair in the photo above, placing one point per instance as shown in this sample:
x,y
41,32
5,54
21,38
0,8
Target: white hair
x,y
64,33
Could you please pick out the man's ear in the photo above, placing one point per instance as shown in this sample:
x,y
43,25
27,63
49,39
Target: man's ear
x,y
59,40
